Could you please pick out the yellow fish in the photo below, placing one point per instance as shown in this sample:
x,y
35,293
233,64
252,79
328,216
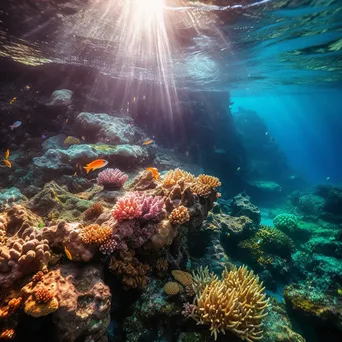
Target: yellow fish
x,y
75,174
7,153
147,142
13,100
8,163
67,253
96,164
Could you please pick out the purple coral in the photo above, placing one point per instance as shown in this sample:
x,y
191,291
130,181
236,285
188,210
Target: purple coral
x,y
135,205
111,178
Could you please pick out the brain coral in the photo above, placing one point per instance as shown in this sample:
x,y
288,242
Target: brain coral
x,y
182,277
171,288
235,303
287,222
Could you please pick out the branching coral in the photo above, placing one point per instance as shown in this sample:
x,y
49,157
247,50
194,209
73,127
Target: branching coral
x,y
95,234
112,178
172,177
179,215
135,205
211,181
130,270
200,189
93,212
201,278
235,303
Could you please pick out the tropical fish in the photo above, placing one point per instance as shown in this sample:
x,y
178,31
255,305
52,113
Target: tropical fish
x,y
238,169
66,121
147,142
8,163
75,174
96,164
15,125
13,100
27,87
266,133
272,139
154,171
83,137
328,178
67,253
7,153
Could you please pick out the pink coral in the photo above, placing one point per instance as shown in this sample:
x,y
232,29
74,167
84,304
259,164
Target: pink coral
x,y
135,205
111,178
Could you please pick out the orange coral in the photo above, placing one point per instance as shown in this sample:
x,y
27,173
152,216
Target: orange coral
x,y
37,277
179,215
7,334
131,271
171,288
11,307
93,212
68,141
201,189
95,234
42,294
172,177
182,277
211,181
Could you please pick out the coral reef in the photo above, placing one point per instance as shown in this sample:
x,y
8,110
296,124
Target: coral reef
x,y
95,234
286,222
179,215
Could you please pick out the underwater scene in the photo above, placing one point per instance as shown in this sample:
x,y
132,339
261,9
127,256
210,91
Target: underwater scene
x,y
170,170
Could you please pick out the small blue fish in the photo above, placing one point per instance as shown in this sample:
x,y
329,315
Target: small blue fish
x,y
15,125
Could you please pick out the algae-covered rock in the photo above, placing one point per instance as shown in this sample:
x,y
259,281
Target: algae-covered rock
x,y
55,202
109,129
9,197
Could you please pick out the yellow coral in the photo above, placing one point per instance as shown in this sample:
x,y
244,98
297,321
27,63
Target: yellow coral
x,y
211,181
68,141
182,277
235,303
172,177
179,215
171,288
95,234
35,309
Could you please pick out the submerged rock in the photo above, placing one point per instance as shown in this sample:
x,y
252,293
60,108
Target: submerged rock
x,y
10,196
242,206
108,129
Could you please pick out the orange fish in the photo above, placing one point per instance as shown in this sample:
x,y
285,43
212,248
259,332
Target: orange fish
x,y
67,253
96,164
13,100
7,153
154,171
147,142
8,163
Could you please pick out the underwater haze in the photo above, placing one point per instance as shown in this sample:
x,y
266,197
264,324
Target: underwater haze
x,y
170,170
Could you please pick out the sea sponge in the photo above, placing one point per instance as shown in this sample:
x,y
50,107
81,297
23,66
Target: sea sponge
x,y
236,303
111,178
70,140
95,234
35,309
182,277
164,235
287,222
211,181
179,215
172,177
171,288
93,212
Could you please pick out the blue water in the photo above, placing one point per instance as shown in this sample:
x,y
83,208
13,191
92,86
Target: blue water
x,y
307,126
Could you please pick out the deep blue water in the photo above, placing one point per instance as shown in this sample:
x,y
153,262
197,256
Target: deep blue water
x,y
307,127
